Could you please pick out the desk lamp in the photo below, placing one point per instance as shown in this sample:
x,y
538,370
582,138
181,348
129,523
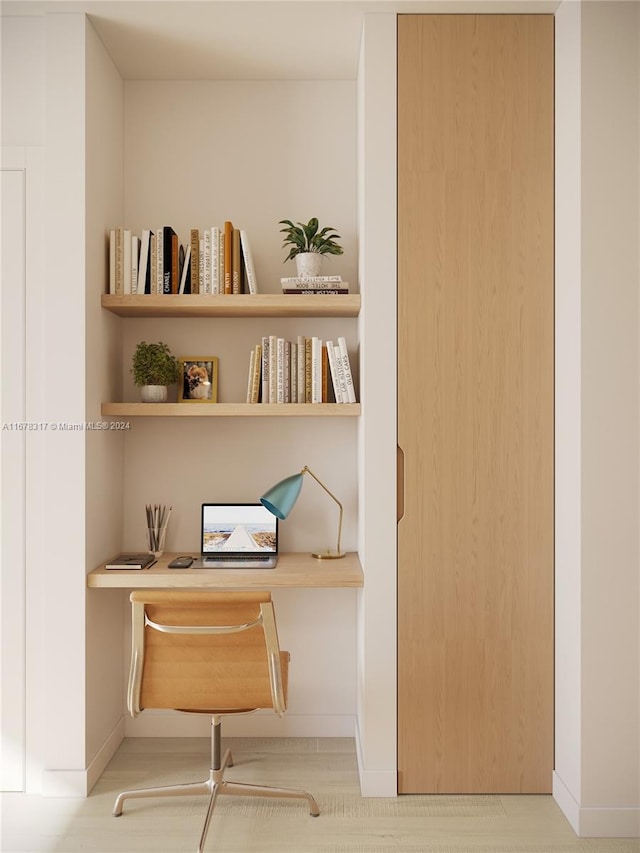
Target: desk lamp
x,y
280,500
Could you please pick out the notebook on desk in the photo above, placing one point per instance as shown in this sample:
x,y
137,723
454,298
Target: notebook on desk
x,y
237,536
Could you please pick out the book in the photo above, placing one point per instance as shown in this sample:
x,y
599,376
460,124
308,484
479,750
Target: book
x,y
333,370
308,290
119,237
301,360
195,260
311,281
252,371
265,369
236,262
307,370
175,262
228,244
201,266
126,262
169,277
144,273
135,260
159,260
348,378
185,279
185,269
250,273
206,277
287,371
112,261
215,260
280,371
255,388
153,263
293,372
342,384
273,369
221,262
316,370
325,374
131,561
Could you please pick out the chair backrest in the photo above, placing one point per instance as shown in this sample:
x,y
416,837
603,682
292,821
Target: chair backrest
x,y
210,652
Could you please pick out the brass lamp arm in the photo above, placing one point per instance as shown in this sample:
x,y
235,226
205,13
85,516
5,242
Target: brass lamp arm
x,y
307,470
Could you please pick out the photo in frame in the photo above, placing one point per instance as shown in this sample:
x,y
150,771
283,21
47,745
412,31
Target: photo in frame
x,y
198,381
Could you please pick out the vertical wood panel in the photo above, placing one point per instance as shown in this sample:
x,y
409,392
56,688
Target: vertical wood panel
x,y
475,385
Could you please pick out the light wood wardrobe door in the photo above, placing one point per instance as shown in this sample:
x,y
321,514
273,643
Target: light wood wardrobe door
x,y
475,401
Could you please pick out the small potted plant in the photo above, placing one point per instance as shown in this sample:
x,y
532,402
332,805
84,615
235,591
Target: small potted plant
x,y
153,369
308,245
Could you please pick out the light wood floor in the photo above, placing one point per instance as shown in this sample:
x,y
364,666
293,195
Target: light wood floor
x,y
326,767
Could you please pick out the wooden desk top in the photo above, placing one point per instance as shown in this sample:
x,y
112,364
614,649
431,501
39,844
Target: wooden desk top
x,y
293,571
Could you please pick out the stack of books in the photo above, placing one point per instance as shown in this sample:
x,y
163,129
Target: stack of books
x,y
302,371
328,284
214,260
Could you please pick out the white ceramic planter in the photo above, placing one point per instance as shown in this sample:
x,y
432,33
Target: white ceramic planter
x,y
309,264
153,393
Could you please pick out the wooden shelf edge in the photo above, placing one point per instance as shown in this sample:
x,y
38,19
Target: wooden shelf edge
x,y
231,410
293,571
238,305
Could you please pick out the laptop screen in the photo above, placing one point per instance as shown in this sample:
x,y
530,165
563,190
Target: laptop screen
x,y
229,529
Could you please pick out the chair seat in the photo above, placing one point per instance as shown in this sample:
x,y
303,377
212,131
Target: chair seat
x,y
207,653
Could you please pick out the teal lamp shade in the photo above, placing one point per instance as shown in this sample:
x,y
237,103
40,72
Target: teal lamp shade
x,y
280,499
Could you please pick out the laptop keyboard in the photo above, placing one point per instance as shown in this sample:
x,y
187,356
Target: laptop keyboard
x,y
237,559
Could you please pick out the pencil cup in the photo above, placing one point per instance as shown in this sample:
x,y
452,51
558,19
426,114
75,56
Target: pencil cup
x,y
157,521
155,541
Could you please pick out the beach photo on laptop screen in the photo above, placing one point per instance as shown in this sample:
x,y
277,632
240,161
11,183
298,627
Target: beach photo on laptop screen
x,y
239,532
238,529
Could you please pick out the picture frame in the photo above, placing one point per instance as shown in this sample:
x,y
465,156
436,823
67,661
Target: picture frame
x,y
198,381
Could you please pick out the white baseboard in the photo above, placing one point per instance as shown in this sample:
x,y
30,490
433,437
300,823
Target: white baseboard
x,y
105,754
609,823
375,783
595,822
267,724
569,806
78,783
64,783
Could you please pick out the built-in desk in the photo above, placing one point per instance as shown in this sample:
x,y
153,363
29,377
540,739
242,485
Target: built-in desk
x,y
293,571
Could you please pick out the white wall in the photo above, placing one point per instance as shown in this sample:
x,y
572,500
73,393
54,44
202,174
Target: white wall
x,y
195,155
376,736
597,779
22,62
105,670
22,133
61,378
568,411
21,136
610,793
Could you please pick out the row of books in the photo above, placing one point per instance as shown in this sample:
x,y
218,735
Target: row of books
x,y
302,371
329,284
214,260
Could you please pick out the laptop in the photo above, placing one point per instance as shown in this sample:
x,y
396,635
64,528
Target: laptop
x,y
237,536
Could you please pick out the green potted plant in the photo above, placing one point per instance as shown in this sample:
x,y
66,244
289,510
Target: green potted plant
x,y
154,367
309,244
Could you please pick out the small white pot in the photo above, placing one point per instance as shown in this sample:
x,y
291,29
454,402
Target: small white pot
x,y
153,393
309,264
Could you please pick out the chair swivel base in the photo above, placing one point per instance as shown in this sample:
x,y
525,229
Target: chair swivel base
x,y
215,785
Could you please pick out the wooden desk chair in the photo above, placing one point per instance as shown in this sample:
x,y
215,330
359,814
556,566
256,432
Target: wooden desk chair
x,y
213,653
